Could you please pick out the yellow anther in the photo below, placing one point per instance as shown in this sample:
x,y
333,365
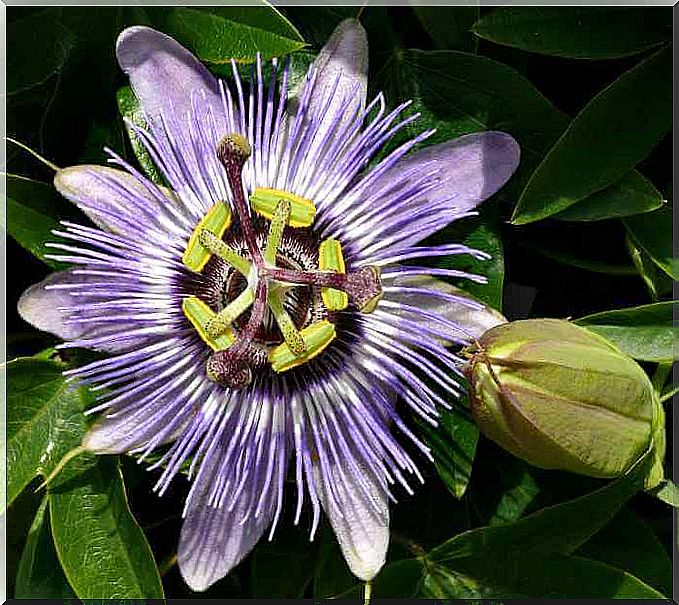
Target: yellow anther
x,y
200,315
330,258
264,201
221,322
216,221
291,335
276,228
316,338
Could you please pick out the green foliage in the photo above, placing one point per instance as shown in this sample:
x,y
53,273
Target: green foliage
x,y
645,332
577,32
216,38
34,209
615,131
102,550
485,524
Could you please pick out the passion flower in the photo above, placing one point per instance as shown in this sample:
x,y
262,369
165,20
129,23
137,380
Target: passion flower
x,y
258,320
561,397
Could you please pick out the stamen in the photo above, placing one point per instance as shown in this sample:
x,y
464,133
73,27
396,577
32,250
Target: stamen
x,y
215,222
200,316
233,151
291,334
221,322
265,201
316,338
276,228
225,252
330,258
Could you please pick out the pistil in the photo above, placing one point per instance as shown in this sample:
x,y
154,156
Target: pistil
x,y
233,151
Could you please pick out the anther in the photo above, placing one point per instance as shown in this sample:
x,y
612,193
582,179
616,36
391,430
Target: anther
x,y
215,222
265,201
330,258
200,316
316,338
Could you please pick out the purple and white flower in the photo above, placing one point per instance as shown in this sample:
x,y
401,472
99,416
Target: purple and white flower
x,y
265,312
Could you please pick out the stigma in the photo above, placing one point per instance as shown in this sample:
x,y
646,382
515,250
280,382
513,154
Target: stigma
x,y
270,278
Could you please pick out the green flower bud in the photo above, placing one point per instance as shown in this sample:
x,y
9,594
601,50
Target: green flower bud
x,y
561,397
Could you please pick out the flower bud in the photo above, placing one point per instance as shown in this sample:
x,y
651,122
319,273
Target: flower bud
x,y
561,397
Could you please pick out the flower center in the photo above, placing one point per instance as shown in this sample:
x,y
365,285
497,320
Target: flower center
x,y
277,287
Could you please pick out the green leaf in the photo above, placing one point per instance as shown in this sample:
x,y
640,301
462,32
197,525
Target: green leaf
x,y
34,208
44,420
628,543
458,93
453,446
657,282
653,233
40,575
578,32
216,39
102,549
290,550
103,552
481,232
632,194
41,35
129,107
644,332
522,576
533,576
667,492
615,131
561,528
450,27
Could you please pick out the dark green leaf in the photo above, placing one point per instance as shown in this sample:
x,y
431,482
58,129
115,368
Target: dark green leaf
x,y
533,576
44,420
103,551
40,575
615,131
578,32
129,107
668,492
450,27
481,233
653,233
453,445
215,39
458,93
260,15
563,255
628,543
632,194
520,490
332,577
657,281
561,528
291,551
34,208
521,576
645,332
43,36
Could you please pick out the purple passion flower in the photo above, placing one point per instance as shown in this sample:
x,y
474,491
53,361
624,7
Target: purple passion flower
x,y
265,311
